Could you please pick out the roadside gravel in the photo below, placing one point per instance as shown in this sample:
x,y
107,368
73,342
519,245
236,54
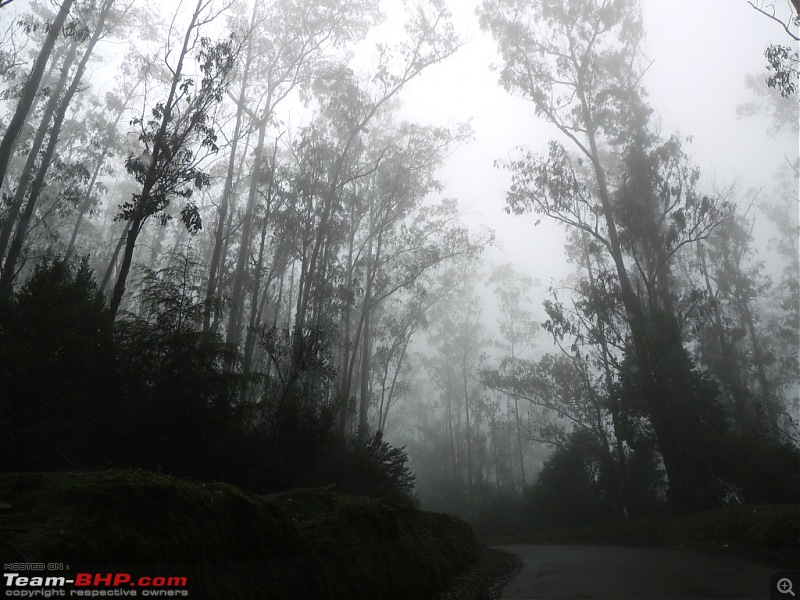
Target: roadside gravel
x,y
485,580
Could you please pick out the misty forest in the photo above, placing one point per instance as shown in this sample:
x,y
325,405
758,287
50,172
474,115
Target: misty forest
x,y
228,252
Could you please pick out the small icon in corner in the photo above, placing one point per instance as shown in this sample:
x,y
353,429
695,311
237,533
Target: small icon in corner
x,y
784,585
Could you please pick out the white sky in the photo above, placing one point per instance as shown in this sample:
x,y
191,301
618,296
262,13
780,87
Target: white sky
x,y
702,51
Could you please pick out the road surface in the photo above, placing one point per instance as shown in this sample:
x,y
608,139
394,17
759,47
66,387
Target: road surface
x,y
620,572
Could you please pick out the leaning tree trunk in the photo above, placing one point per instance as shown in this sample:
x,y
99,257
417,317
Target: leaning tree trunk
x,y
7,275
139,216
112,263
681,494
30,89
27,174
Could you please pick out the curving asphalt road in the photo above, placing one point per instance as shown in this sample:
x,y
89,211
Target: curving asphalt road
x,y
621,572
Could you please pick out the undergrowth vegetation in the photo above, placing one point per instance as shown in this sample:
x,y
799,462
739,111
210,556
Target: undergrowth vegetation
x,y
312,544
153,392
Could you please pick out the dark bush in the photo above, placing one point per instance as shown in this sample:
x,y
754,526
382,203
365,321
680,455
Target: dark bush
x,y
760,470
501,516
572,488
54,369
377,469
174,400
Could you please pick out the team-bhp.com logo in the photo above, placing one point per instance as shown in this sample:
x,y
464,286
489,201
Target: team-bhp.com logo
x,y
93,585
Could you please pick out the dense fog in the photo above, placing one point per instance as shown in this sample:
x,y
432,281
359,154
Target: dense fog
x,y
534,264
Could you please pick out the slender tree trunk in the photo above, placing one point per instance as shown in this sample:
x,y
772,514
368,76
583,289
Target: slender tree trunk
x,y
727,375
519,425
26,99
139,217
84,208
290,297
125,267
345,368
27,174
363,407
451,434
366,348
469,441
495,458
226,239
519,442
766,414
222,217
237,295
255,305
112,263
392,387
623,480
7,275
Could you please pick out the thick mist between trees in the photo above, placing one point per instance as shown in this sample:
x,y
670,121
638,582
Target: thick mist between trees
x,y
251,242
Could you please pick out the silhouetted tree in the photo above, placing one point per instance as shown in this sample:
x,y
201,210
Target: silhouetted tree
x,y
169,165
580,65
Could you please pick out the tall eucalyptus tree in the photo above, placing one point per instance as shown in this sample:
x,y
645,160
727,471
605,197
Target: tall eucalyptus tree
x,y
179,126
580,64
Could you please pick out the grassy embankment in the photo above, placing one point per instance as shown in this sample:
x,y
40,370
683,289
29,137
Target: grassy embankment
x,y
312,544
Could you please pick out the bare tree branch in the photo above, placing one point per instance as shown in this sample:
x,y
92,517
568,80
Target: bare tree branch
x,y
771,15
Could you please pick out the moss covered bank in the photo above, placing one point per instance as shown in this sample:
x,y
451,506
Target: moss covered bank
x,y
312,544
